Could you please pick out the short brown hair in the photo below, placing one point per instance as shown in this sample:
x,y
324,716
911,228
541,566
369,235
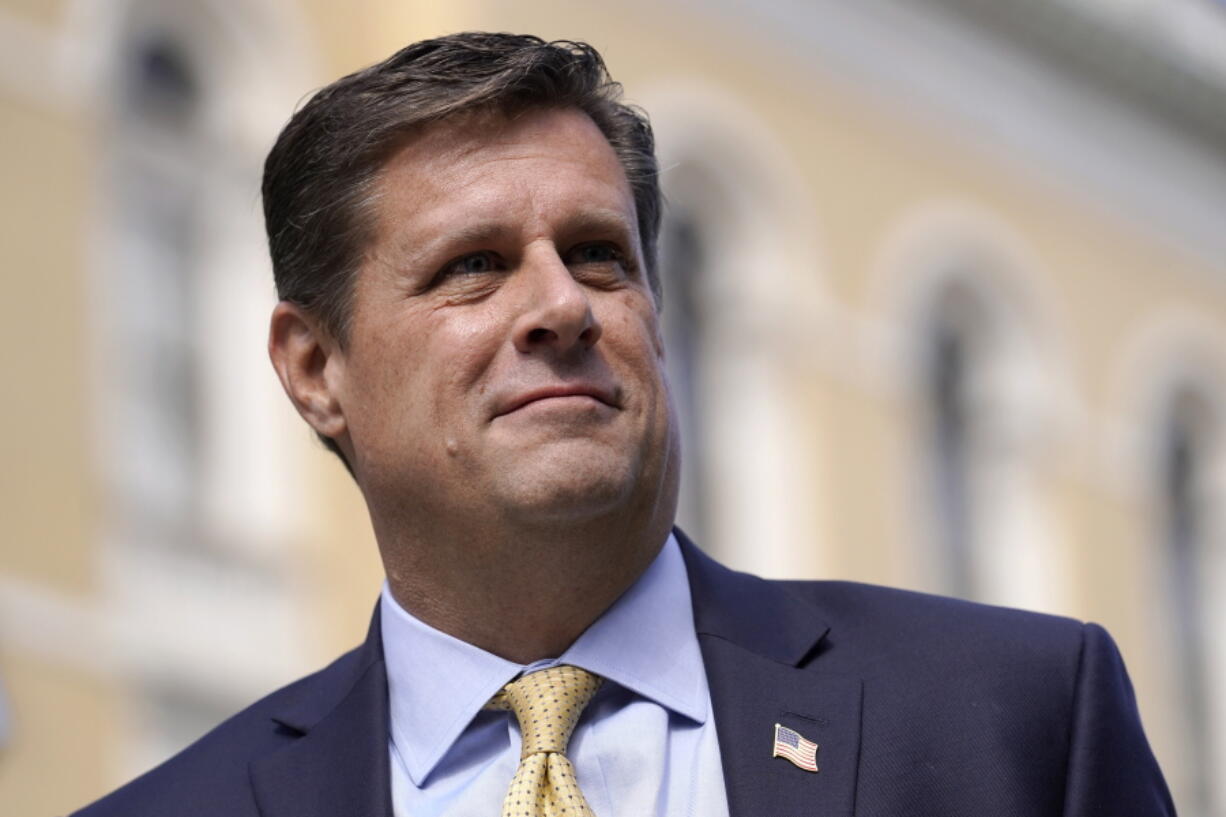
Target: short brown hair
x,y
319,175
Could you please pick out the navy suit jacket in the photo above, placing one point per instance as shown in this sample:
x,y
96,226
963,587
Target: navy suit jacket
x,y
921,706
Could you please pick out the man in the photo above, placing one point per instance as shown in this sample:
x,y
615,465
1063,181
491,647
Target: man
x,y
464,243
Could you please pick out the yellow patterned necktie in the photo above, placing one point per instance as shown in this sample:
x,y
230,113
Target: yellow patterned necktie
x,y
547,705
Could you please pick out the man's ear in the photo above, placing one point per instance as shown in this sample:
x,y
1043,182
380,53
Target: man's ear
x,y
310,365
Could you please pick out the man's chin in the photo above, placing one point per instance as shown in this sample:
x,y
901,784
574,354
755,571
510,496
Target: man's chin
x,y
568,486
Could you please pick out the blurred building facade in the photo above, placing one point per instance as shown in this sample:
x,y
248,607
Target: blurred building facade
x,y
945,306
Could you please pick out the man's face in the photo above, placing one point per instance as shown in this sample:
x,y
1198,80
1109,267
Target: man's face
x,y
504,350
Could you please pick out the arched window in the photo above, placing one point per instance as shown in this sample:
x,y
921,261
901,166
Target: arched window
x,y
976,335
192,444
982,388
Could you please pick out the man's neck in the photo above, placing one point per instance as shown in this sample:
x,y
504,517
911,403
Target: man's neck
x,y
525,597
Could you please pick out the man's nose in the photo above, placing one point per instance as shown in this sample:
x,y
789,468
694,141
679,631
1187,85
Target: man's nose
x,y
558,312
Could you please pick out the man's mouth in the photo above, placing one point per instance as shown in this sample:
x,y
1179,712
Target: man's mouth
x,y
588,391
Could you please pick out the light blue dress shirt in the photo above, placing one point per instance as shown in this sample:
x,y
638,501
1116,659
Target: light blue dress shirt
x,y
645,745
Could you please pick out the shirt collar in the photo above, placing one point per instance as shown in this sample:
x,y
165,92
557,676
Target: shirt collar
x,y
645,642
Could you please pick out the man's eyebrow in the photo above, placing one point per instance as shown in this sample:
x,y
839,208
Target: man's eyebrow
x,y
599,221
472,235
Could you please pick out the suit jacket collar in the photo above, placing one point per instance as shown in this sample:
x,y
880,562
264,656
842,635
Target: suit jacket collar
x,y
750,612
761,648
339,764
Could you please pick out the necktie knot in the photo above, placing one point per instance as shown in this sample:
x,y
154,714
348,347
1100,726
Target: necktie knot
x,y
547,705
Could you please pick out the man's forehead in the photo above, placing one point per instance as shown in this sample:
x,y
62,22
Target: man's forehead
x,y
466,166
465,134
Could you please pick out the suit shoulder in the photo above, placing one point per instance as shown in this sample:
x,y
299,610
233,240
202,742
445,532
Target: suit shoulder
x,y
900,623
211,776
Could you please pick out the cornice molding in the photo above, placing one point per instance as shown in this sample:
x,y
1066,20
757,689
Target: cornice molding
x,y
1115,54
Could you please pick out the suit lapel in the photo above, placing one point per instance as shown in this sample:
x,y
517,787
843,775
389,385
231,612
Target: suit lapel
x,y
761,649
339,764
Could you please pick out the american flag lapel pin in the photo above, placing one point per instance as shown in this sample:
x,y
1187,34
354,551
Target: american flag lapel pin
x,y
789,744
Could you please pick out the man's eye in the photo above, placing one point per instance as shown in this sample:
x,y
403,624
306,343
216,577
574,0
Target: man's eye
x,y
472,264
596,254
